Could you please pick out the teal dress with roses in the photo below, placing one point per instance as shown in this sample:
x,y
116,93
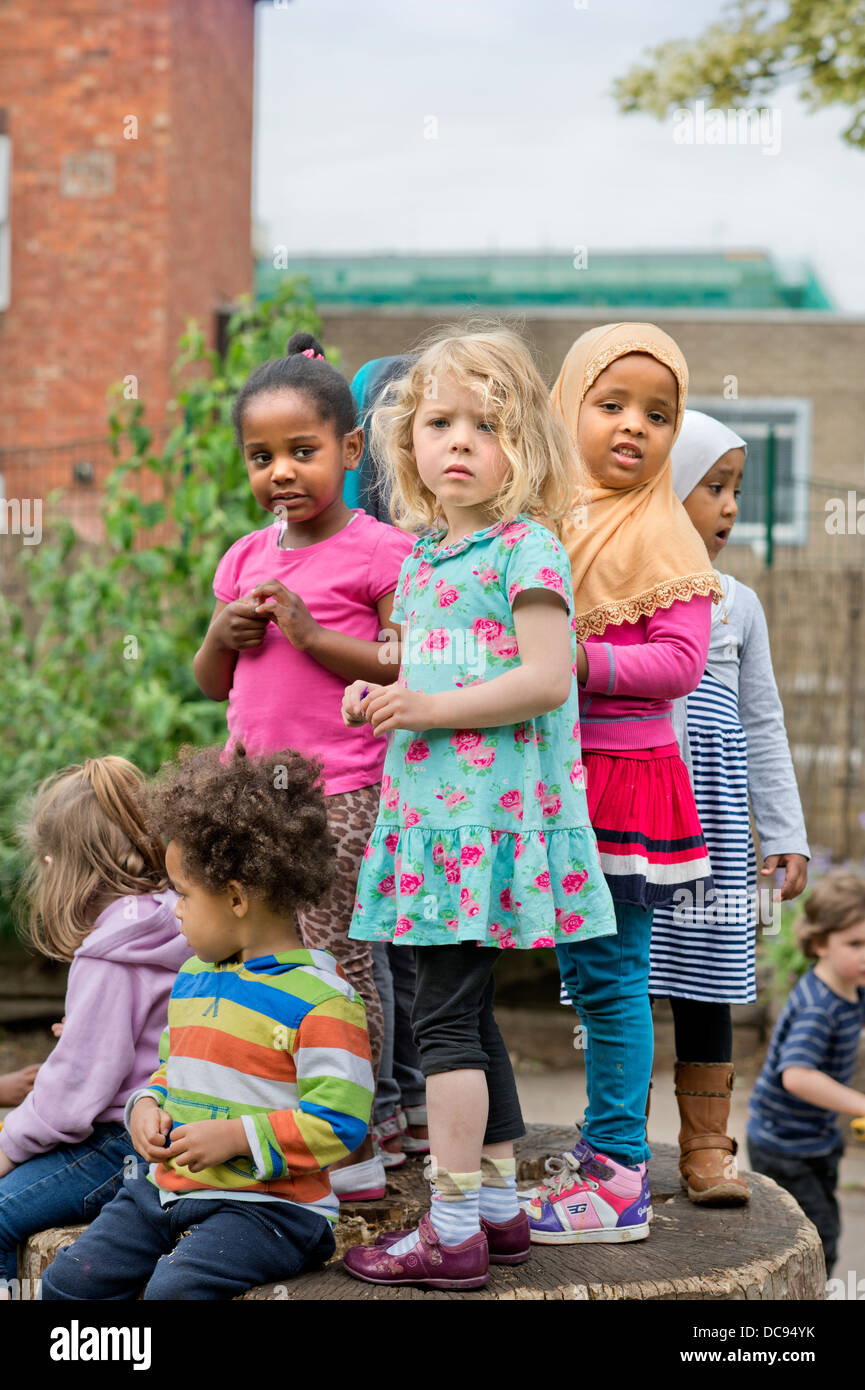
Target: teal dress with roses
x,y
482,834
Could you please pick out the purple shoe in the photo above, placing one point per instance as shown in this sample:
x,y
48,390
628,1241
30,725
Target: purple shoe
x,y
597,1199
579,1154
429,1264
509,1241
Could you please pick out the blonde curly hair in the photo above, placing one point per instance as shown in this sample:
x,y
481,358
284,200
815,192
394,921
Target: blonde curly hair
x,y
545,479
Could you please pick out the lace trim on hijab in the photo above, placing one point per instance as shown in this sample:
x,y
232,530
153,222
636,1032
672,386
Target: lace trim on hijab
x,y
630,610
597,364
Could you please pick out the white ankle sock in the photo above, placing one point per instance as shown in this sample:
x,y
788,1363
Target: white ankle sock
x,y
498,1196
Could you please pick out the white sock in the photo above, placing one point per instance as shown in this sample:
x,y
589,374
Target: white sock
x,y
498,1196
454,1210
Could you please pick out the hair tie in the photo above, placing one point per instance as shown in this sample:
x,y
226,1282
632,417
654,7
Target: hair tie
x,y
310,352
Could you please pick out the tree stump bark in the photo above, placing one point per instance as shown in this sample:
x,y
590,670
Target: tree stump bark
x,y
766,1250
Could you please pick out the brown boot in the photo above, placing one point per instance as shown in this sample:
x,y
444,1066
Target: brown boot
x,y
707,1160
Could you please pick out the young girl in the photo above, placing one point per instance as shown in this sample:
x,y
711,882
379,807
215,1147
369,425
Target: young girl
x,y
99,898
299,607
642,595
483,839
703,947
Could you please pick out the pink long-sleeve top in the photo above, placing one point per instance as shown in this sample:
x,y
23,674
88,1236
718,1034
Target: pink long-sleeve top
x,y
637,670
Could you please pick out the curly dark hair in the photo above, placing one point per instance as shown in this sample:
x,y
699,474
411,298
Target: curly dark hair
x,y
259,820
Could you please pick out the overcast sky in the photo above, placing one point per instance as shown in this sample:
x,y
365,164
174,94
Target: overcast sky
x,y
529,151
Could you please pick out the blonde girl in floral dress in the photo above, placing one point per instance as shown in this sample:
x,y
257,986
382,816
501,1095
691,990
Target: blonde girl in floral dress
x,y
483,838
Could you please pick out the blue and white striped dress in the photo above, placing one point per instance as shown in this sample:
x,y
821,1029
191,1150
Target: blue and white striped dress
x,y
703,946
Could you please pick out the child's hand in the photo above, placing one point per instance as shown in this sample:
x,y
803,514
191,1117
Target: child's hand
x,y
289,612
239,627
148,1126
6,1164
354,701
17,1084
796,876
57,1028
206,1143
394,707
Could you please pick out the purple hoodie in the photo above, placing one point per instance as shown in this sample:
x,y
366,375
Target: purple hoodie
x,y
116,1009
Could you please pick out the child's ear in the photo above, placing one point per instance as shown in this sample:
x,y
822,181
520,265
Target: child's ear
x,y
352,449
237,898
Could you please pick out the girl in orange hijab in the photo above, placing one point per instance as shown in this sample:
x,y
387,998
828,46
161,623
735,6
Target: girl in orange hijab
x,y
643,588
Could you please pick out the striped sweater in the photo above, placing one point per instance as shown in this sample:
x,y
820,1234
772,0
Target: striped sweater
x,y
279,1042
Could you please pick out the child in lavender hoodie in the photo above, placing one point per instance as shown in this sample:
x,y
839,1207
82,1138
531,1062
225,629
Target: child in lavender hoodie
x,y
98,897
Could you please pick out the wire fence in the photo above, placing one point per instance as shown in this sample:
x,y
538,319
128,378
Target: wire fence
x,y
811,583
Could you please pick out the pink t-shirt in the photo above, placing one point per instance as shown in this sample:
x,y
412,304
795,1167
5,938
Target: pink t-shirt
x,y
637,670
282,697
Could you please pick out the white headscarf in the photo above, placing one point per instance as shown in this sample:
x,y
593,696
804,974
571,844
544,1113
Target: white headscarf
x,y
701,442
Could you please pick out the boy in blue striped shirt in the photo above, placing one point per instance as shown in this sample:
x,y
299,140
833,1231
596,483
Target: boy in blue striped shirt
x,y
794,1135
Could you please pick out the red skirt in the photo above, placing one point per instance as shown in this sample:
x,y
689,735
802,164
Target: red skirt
x,y
643,812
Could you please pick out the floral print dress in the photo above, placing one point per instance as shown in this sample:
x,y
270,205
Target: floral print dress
x,y
482,834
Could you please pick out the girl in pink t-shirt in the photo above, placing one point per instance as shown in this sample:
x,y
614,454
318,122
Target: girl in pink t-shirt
x,y
301,606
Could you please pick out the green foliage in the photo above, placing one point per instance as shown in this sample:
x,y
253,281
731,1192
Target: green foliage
x,y
781,961
756,47
103,662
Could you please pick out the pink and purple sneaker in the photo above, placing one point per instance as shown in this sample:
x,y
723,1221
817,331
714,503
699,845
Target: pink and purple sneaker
x,y
593,1198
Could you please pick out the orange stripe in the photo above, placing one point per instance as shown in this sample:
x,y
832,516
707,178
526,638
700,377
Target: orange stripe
x,y
318,1031
207,1045
309,1187
291,1128
291,1141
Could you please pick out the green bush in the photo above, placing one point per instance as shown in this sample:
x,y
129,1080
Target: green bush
x,y
103,663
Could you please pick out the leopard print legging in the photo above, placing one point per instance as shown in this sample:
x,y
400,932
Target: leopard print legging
x,y
351,817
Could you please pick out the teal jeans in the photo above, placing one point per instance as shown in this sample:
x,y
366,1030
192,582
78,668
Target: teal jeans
x,y
608,983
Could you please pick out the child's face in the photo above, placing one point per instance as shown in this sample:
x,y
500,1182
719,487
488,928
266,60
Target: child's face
x,y
627,421
206,920
843,954
295,460
714,503
458,454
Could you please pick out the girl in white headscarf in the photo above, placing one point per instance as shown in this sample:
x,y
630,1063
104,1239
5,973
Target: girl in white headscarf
x,y
733,737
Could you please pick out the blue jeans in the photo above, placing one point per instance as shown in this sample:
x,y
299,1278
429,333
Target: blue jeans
x,y
227,1247
69,1185
608,982
400,1079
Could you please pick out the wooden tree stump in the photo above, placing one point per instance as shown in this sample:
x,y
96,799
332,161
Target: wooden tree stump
x,y
766,1250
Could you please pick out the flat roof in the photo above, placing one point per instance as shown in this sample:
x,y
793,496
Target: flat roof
x,y
728,281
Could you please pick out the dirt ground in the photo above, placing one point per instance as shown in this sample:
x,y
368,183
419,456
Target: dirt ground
x,y
551,1083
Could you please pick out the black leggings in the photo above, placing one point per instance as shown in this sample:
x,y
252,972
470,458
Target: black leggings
x,y
704,1032
455,1028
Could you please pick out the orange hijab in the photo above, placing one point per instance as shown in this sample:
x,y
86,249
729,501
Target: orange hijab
x,y
632,550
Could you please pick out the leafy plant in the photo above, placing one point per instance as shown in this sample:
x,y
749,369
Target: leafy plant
x,y
754,49
99,660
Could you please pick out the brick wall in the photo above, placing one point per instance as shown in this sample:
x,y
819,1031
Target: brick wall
x,y
117,241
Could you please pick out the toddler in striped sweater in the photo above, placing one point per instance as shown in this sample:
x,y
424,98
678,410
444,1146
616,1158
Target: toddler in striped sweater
x,y
265,1078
